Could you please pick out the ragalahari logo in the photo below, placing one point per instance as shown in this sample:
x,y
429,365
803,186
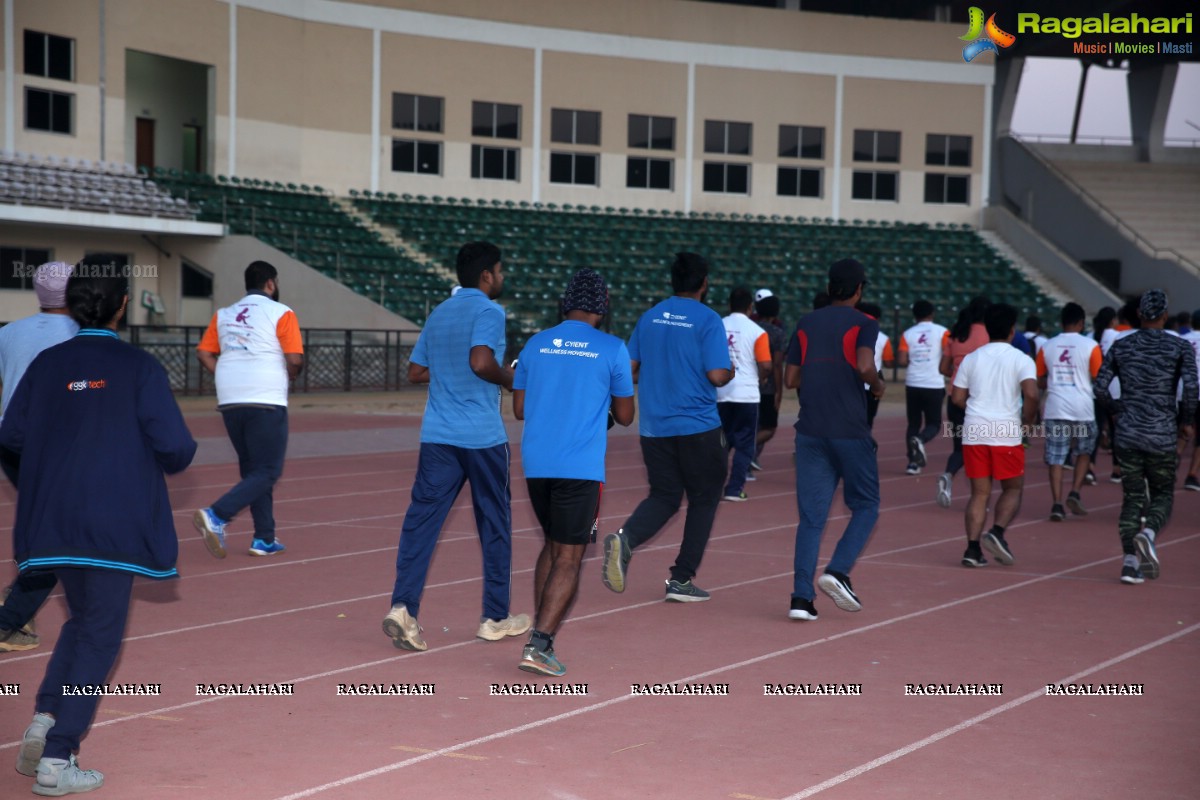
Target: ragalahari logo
x,y
992,37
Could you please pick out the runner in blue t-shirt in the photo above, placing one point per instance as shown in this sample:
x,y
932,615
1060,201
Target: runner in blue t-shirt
x,y
680,356
567,379
462,439
830,357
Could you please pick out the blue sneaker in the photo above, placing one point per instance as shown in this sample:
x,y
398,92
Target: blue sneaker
x,y
541,662
212,528
260,548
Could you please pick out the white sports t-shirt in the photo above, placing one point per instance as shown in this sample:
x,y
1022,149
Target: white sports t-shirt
x,y
1069,361
924,343
992,376
748,344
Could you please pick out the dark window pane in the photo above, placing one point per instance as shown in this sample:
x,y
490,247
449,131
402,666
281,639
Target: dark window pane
x,y
639,130
35,53
737,178
957,189
960,151
403,111
560,168
60,112
934,188
429,158
403,156
508,121
429,114
196,283
789,142
636,173
585,169
37,110
786,181
714,177
60,48
935,150
887,146
483,119
714,136
476,160
662,134
562,126
812,143
660,173
739,138
810,183
864,145
587,127
493,163
885,186
510,165
862,185
11,259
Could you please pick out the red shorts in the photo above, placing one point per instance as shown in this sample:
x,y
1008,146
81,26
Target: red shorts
x,y
994,461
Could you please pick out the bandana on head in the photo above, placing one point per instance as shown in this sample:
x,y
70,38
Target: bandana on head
x,y
1153,305
586,292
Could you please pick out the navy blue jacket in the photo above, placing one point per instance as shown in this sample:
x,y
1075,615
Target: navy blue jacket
x,y
96,426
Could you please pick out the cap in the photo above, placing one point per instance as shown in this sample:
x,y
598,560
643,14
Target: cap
x,y
1152,305
587,291
50,284
763,294
848,273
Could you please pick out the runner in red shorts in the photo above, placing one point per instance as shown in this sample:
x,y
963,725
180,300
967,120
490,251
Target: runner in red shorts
x,y
991,384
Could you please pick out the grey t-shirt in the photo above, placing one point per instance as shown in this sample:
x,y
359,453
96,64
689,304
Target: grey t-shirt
x,y
21,341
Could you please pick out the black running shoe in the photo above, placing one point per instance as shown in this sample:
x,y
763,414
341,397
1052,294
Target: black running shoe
x,y
973,557
802,609
837,586
999,548
1192,484
1075,503
1131,575
1057,513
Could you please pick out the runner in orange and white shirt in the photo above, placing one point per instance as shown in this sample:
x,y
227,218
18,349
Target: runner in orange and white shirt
x,y
738,400
921,348
254,348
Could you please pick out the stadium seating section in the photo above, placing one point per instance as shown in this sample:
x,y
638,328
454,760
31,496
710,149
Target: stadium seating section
x,y
79,184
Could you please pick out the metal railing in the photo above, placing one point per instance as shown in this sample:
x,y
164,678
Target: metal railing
x,y
1126,230
334,359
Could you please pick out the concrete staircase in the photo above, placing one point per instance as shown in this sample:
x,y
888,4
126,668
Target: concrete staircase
x,y
393,237
1039,279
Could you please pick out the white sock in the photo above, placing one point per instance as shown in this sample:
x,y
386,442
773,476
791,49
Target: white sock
x,y
1131,560
1149,533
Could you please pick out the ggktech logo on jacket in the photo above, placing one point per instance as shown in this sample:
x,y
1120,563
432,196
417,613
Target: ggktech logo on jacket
x,y
992,37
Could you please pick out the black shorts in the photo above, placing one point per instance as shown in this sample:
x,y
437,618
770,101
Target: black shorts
x,y
565,507
768,416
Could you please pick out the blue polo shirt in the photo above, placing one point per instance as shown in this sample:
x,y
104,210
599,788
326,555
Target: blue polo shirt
x,y
463,410
833,404
570,373
677,342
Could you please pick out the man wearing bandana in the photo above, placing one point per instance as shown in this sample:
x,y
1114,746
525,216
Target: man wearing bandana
x,y
567,379
1149,419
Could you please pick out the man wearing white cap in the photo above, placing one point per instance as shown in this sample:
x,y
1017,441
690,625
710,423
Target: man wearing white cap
x,y
20,343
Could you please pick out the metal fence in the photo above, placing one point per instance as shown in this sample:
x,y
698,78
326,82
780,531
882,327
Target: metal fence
x,y
334,359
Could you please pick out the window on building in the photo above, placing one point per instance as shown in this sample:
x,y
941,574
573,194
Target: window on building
x,y
726,178
730,138
648,173
651,133
409,155
574,127
196,282
48,111
946,150
495,120
494,163
866,185
878,146
940,188
417,112
17,265
801,141
798,182
49,56
577,168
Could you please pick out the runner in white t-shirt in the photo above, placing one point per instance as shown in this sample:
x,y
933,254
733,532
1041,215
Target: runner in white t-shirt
x,y
991,384
738,400
921,348
1066,366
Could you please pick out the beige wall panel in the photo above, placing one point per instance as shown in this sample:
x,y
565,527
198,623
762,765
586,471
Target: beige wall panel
x,y
459,72
271,85
336,79
269,150
335,160
194,30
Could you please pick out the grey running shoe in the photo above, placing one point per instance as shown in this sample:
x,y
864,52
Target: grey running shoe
x,y
685,592
616,560
1144,542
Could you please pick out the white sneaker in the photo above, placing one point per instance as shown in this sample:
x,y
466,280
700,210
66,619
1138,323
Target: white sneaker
x,y
945,483
494,631
57,777
33,743
402,628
